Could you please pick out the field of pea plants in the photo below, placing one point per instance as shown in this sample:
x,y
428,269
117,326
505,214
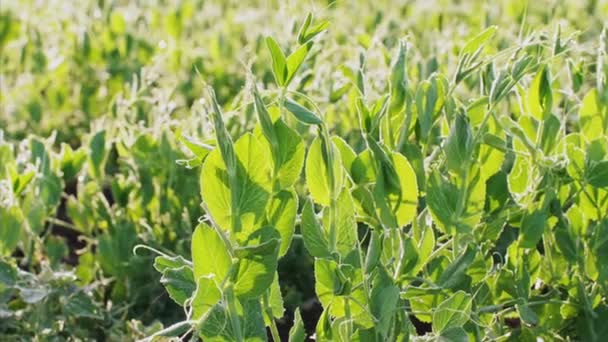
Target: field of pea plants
x,y
267,170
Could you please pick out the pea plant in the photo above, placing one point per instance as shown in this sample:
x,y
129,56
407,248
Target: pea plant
x,y
480,217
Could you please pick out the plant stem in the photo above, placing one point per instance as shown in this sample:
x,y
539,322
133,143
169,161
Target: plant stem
x,y
273,325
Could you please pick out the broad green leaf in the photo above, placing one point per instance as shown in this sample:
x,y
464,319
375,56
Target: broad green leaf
x,y
276,299
540,98
404,205
313,234
8,274
279,62
10,229
281,214
81,305
302,113
256,271
217,327
532,227
363,169
455,273
317,178
294,61
459,145
526,314
426,101
346,224
334,284
249,195
291,155
206,296
346,152
478,41
455,334
383,302
209,254
453,312
297,333
179,283
590,116
597,174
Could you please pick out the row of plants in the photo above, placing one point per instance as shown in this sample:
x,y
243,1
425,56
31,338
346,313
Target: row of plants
x,y
476,215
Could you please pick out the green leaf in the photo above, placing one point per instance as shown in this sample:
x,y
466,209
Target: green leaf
x,y
294,61
8,274
532,228
217,326
526,314
257,270
317,178
266,122
313,234
540,98
346,152
210,255
455,273
206,296
281,214
179,283
98,154
453,312
276,299
441,197
199,149
478,41
291,155
307,33
302,113
246,200
297,333
383,302
279,63
81,305
597,174
346,223
456,334
374,250
405,203
10,229
459,145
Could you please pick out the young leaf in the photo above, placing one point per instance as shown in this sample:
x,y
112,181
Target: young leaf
x,y
297,333
540,98
281,214
459,145
256,270
294,61
279,62
453,312
317,178
313,234
206,296
478,41
532,228
302,113
240,206
210,255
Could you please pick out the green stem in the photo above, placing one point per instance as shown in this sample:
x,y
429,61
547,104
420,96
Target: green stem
x,y
273,326
232,312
